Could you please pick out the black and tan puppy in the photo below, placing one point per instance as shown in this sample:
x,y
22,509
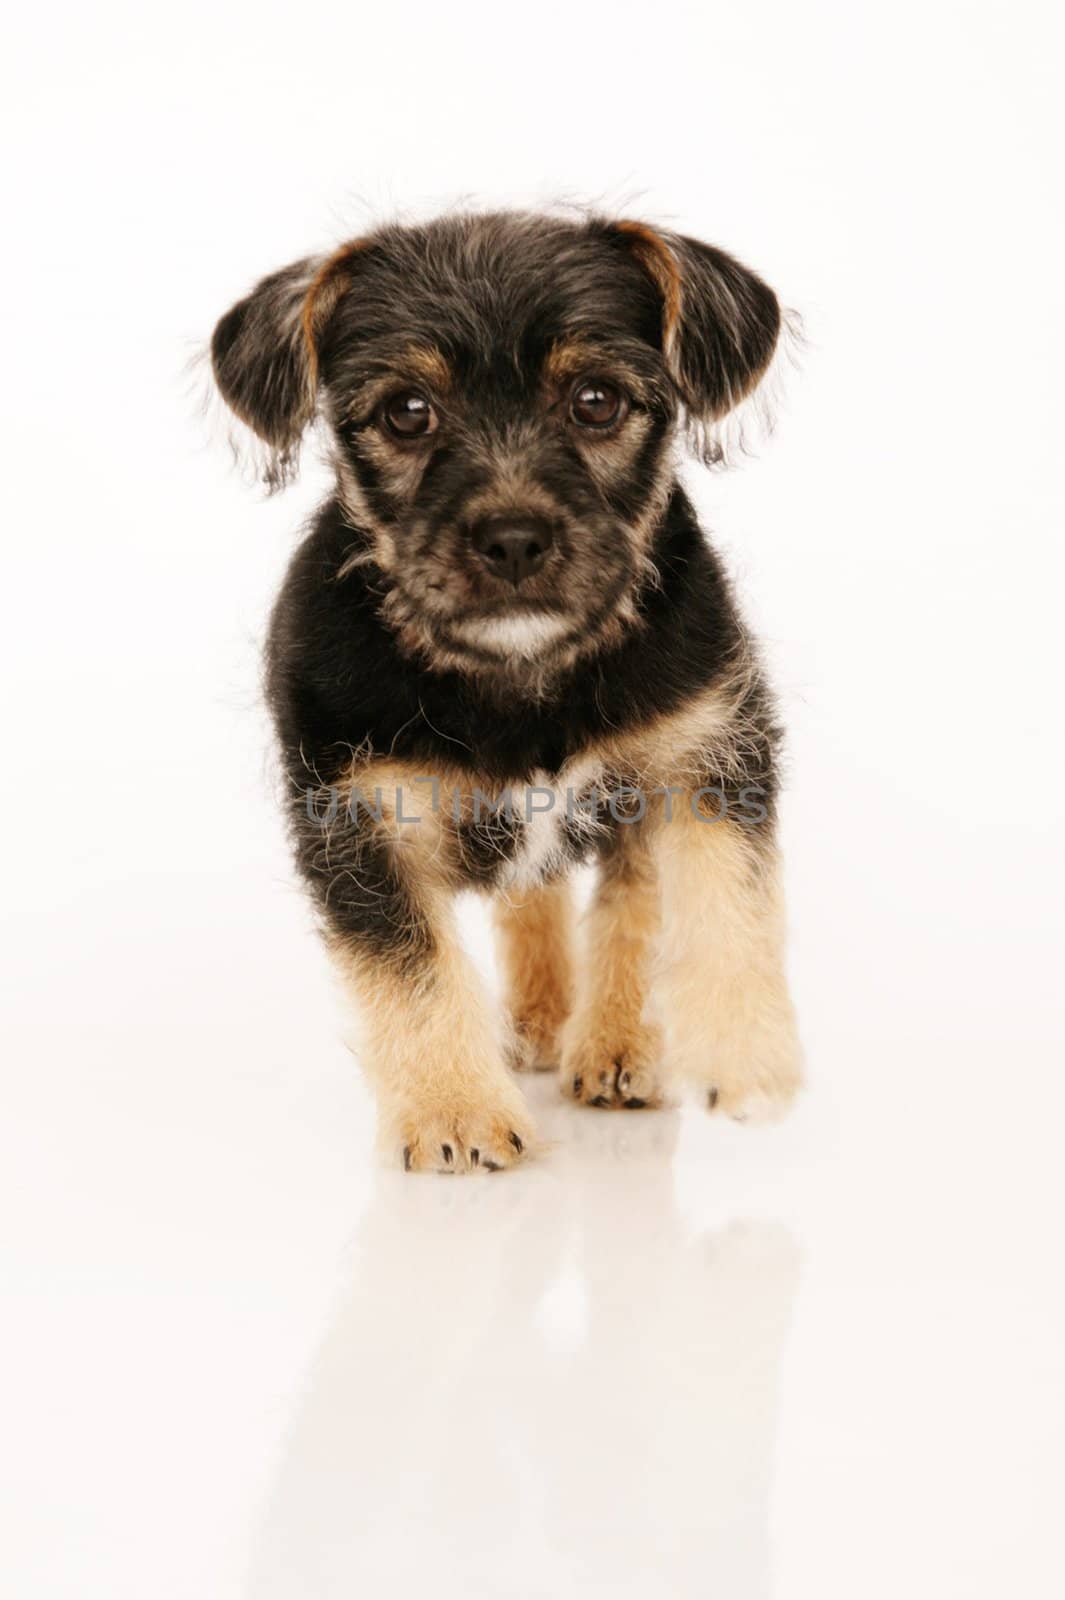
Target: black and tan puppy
x,y
506,647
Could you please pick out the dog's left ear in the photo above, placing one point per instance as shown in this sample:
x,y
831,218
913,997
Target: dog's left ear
x,y
720,322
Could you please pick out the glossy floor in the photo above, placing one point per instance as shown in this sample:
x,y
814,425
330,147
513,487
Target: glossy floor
x,y
674,1356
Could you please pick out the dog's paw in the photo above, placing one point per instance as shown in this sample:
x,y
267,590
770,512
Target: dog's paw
x,y
531,1047
599,1069
737,1045
756,1084
744,1103
465,1133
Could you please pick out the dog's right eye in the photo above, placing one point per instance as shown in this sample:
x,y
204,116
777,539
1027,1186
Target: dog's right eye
x,y
409,416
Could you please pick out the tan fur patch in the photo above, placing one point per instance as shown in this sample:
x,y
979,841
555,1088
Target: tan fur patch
x,y
429,364
674,749
730,1026
535,931
658,261
514,490
611,1049
569,359
327,286
434,1053
411,807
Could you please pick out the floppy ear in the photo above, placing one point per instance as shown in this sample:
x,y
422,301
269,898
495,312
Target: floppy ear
x,y
720,322
262,364
264,353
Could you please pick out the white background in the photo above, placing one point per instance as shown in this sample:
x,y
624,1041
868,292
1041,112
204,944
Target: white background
x,y
673,1357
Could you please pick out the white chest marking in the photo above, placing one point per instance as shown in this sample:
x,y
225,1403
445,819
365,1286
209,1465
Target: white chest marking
x,y
543,808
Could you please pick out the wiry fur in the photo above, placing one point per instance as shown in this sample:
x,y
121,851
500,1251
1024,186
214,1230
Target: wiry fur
x,y
410,681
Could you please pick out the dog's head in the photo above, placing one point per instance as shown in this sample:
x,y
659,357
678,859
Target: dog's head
x,y
502,392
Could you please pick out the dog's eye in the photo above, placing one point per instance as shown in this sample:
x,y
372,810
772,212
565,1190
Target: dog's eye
x,y
409,416
597,405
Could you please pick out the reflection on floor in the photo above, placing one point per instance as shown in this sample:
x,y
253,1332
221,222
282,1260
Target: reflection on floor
x,y
672,1357
516,1363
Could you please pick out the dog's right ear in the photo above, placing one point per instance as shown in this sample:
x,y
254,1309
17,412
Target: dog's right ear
x,y
264,353
262,364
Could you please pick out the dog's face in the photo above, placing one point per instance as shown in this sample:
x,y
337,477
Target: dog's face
x,y
502,392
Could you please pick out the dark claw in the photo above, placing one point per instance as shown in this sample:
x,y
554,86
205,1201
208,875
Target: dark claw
x,y
493,1166
448,1153
406,1158
475,1156
711,1099
517,1143
600,1100
578,1085
635,1104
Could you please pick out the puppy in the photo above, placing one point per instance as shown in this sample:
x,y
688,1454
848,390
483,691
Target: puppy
x,y
505,647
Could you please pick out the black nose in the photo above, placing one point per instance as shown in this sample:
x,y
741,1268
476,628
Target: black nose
x,y
512,547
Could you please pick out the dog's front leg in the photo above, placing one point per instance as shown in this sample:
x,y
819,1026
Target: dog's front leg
x,y
535,928
611,1049
431,1047
430,1040
729,1022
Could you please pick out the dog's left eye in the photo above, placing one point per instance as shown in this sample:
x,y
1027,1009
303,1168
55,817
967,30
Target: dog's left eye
x,y
409,416
597,405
